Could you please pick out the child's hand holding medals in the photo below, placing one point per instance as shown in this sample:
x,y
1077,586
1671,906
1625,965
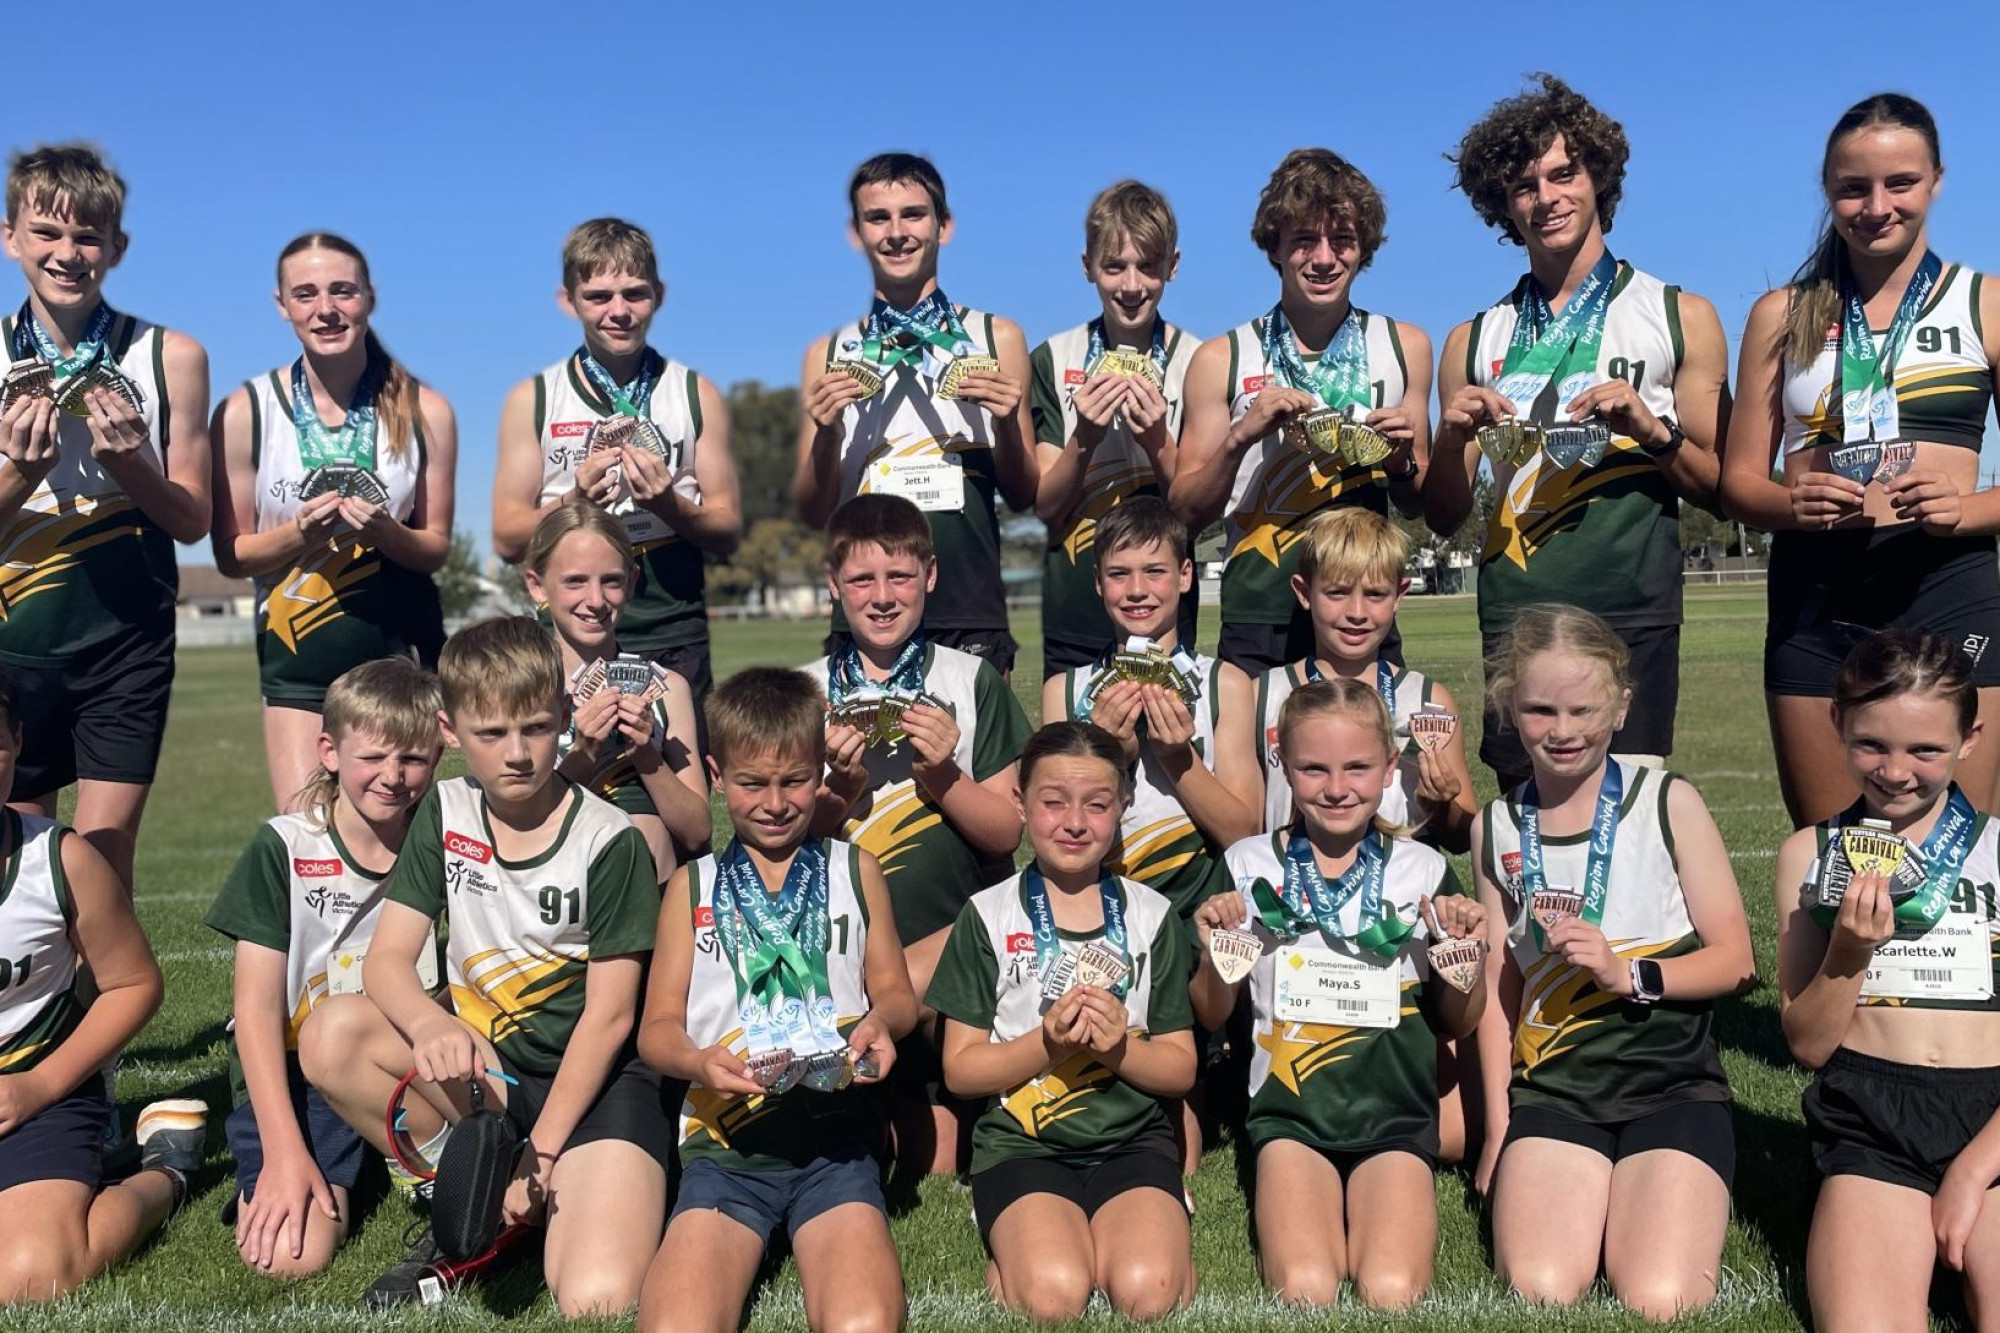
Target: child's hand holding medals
x,y
1458,939
1221,926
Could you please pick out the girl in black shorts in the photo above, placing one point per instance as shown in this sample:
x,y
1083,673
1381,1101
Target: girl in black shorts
x,y
1888,990
1867,379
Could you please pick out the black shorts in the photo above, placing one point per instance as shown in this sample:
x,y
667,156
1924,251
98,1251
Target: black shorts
x,y
995,646
787,1197
1649,721
101,716
692,661
336,1149
1150,1161
1256,648
1345,1160
632,1108
64,1141
1830,590
1899,1123
1702,1130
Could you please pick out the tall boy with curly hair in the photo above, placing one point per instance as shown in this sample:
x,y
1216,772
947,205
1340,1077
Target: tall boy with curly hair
x,y
1588,516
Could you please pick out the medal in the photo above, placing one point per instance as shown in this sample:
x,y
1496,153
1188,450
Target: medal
x,y
827,1071
1511,442
1101,967
73,375
1551,905
1431,726
621,431
1459,962
27,379
1150,366
1101,962
1234,953
768,1069
954,375
865,376
69,393
1583,442
1128,363
1856,462
1554,352
1897,458
1315,432
1362,445
1338,379
588,680
347,480
629,673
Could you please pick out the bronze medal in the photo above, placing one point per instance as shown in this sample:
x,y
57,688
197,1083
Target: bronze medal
x,y
1459,962
1431,727
1234,953
1553,905
27,379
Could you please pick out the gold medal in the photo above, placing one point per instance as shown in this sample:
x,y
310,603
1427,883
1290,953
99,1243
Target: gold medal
x,y
863,375
1130,364
1363,446
1315,432
69,394
954,374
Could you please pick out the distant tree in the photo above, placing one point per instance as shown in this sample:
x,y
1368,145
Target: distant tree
x,y
776,552
763,438
458,583
1705,532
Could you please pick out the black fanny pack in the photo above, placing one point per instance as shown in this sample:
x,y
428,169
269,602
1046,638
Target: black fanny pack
x,y
473,1172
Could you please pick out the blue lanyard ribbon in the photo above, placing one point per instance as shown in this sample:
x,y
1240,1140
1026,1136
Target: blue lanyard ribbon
x,y
1867,394
1603,838
846,676
28,332
1385,681
633,402
354,441
1042,920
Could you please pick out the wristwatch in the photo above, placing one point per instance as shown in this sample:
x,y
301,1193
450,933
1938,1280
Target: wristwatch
x,y
1671,445
1648,985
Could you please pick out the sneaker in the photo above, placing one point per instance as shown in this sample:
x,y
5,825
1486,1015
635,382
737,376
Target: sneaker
x,y
173,1136
416,1280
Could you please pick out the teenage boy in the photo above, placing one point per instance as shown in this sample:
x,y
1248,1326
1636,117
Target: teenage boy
x,y
93,496
778,1128
1315,404
928,787
1582,338
550,902
624,427
1194,785
921,399
1106,403
1350,582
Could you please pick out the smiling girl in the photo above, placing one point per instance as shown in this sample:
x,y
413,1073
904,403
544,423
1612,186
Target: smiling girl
x,y
1611,902
1867,379
1065,993
333,490
1887,990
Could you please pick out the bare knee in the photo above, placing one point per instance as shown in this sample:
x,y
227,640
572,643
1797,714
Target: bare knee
x,y
592,1291
1145,1288
1054,1293
863,1317
40,1265
1659,1297
1547,1284
287,1269
1303,1281
1389,1287
328,1040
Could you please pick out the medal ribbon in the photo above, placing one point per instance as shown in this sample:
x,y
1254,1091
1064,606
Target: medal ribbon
x,y
354,441
1603,837
930,322
1944,855
31,339
1867,400
1094,352
1546,346
1385,681
776,944
634,402
1307,901
1340,377
846,677
1042,919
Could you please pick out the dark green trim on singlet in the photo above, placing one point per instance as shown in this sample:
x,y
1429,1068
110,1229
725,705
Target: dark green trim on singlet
x,y
541,410
992,343
694,408
1229,385
1472,348
575,799
1173,343
1673,304
1258,706
58,877
13,835
1972,300
166,413
1667,825
256,425
126,330
284,394
854,883
1395,341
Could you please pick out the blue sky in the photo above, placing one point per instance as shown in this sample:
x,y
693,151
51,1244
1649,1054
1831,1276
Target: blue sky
x,y
457,148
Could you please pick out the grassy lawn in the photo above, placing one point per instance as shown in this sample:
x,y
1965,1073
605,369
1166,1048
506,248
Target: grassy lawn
x,y
213,793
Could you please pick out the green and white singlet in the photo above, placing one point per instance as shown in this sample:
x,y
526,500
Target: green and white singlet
x,y
338,607
1278,488
1158,844
1412,690
767,1133
1119,470
616,778
1579,1050
1603,537
521,934
1943,382
987,978
929,865
1334,1085
80,562
938,453
667,607
40,1001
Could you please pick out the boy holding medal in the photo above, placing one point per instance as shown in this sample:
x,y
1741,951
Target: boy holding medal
x,y
104,432
624,427
777,995
924,400
1315,404
921,740
1598,393
1106,403
550,902
1350,581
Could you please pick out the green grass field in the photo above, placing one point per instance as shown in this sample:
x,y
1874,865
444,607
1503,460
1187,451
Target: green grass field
x,y
212,793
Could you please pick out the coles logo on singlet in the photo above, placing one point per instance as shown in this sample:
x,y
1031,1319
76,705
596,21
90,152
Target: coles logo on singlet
x,y
1020,941
568,430
1073,377
1510,866
1255,383
458,844
1498,366
327,869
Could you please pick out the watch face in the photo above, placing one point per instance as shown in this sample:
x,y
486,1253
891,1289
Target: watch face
x,y
1650,979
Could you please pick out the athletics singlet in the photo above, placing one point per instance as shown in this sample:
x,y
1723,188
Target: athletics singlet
x,y
667,607
1279,488
1412,690
39,1000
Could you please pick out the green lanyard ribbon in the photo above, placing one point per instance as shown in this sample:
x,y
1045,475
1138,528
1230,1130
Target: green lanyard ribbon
x,y
29,333
1307,901
634,402
1603,840
1868,406
776,945
354,441
1547,347
890,336
1340,377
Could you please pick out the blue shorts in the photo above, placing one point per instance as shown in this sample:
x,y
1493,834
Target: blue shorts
x,y
788,1197
337,1150
65,1141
